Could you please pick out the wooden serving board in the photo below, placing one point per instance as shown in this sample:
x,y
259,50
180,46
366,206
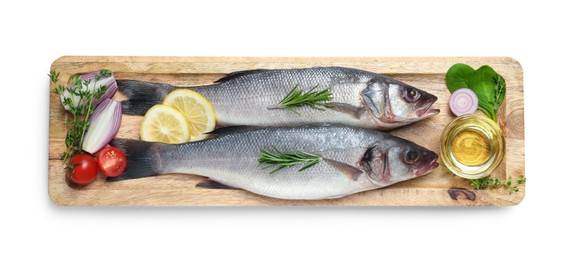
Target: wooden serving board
x,y
428,74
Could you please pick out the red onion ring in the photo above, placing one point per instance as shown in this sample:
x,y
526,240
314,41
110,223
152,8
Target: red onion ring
x,y
463,101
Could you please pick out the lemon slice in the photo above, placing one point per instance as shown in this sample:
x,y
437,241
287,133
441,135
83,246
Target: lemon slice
x,y
164,124
197,110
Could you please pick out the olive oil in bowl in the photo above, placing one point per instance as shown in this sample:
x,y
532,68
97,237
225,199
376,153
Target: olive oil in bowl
x,y
472,146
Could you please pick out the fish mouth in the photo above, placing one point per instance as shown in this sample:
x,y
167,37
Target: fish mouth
x,y
427,111
430,112
428,168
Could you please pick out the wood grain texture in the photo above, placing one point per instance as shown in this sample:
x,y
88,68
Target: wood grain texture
x,y
439,188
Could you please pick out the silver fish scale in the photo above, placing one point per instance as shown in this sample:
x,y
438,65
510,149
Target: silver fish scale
x,y
233,160
237,100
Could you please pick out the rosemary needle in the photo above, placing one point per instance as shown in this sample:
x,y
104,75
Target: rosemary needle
x,y
312,98
286,159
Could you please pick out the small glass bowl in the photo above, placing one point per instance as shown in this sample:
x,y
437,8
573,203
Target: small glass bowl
x,y
483,127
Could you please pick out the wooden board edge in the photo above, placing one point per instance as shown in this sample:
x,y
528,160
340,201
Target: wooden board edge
x,y
517,113
81,58
282,62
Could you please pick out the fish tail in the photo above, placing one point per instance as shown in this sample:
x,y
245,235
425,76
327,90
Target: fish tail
x,y
142,95
139,159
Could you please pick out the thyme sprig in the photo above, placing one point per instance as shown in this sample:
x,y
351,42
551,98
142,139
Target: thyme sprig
x,y
297,98
494,183
79,98
286,159
54,76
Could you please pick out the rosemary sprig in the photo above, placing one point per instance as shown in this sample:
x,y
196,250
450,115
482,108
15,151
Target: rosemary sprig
x,y
312,98
286,159
494,183
79,98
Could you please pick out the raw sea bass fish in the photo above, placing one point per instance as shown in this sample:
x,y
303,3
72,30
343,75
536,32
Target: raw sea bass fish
x,y
360,98
353,160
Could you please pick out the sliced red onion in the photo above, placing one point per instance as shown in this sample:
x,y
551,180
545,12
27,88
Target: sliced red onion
x,y
463,101
104,124
108,81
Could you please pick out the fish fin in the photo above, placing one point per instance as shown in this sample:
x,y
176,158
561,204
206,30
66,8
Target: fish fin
x,y
349,171
238,74
139,162
352,110
142,95
212,184
336,196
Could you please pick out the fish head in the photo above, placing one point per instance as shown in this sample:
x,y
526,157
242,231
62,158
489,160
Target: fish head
x,y
390,102
391,161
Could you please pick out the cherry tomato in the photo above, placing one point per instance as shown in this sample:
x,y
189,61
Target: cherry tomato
x,y
111,161
85,169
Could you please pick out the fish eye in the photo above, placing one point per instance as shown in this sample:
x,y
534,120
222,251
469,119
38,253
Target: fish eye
x,y
411,156
411,95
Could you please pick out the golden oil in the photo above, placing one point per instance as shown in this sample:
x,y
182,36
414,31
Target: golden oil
x,y
472,146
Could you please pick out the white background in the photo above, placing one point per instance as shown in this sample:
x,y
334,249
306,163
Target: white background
x,y
541,36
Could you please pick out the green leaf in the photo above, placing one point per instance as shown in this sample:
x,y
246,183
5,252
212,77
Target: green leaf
x,y
86,82
76,81
54,76
106,73
58,90
483,84
488,109
458,76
